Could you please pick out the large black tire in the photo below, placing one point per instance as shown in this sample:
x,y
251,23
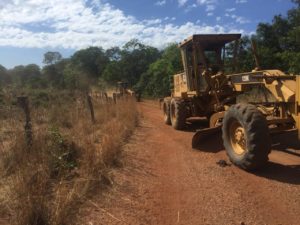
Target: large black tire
x,y
246,136
166,110
178,114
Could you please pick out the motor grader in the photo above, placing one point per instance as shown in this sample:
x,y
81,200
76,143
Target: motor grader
x,y
205,90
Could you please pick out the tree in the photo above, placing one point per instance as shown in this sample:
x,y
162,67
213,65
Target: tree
x,y
3,75
245,59
29,75
157,80
293,61
114,54
278,43
54,73
136,58
113,73
91,61
296,2
132,45
51,58
173,55
75,80
129,63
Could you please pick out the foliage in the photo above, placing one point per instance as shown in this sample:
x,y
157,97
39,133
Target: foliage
x,y
29,75
113,72
52,57
63,153
54,73
129,63
74,79
91,61
3,75
114,53
246,61
279,42
293,61
157,80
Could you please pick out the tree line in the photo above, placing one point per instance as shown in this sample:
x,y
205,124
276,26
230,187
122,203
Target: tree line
x,y
147,69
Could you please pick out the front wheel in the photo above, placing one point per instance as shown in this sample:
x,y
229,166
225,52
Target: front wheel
x,y
246,136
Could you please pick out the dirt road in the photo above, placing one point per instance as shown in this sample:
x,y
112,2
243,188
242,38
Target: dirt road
x,y
164,181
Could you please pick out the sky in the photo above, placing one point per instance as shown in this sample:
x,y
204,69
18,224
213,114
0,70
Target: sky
x,y
29,28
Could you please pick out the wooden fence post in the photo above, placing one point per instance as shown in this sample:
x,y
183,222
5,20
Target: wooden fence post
x,y
24,104
106,97
90,103
115,98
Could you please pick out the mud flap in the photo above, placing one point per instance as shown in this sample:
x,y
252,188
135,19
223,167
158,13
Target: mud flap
x,y
200,135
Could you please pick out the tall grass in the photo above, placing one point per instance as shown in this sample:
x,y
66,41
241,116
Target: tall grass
x,y
69,158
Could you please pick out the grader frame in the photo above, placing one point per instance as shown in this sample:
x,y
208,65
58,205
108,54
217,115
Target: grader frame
x,y
205,90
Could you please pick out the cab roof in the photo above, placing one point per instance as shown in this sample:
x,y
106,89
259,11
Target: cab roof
x,y
210,41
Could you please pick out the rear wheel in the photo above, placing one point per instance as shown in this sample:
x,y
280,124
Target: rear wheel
x,y
166,110
246,136
178,114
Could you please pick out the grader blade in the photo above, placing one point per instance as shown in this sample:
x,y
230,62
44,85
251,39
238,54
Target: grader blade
x,y
202,134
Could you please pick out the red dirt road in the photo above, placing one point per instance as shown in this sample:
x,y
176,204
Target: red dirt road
x,y
165,182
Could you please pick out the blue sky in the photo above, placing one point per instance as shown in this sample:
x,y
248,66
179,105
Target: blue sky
x,y
29,28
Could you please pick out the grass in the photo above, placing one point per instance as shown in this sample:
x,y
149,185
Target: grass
x,y
69,159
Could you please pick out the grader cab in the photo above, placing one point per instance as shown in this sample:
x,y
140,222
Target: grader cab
x,y
246,107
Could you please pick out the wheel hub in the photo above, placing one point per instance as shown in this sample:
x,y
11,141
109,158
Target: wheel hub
x,y
238,138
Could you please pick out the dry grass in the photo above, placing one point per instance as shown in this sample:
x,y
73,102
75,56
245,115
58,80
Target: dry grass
x,y
69,158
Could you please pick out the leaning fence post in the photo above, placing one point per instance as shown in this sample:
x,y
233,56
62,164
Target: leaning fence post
x,y
106,97
24,104
90,103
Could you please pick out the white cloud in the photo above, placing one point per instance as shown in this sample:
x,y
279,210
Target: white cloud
x,y
242,20
161,3
182,2
76,24
207,2
170,18
210,5
230,10
241,1
238,19
190,7
210,8
152,22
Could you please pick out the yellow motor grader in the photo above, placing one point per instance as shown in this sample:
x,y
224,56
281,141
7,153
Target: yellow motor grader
x,y
246,107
